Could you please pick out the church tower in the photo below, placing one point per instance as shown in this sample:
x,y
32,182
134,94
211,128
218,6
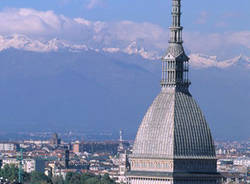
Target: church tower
x,y
174,143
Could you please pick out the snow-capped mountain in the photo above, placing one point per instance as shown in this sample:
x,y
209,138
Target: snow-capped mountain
x,y
205,61
134,49
22,42
197,60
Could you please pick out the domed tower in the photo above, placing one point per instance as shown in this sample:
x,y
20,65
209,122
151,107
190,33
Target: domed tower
x,y
174,143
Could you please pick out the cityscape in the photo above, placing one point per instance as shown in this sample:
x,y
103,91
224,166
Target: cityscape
x,y
98,92
56,158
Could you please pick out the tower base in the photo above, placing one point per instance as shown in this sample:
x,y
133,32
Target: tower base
x,y
137,177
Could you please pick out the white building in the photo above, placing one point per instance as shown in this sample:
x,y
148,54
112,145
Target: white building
x,y
242,162
8,146
123,167
29,165
36,142
10,161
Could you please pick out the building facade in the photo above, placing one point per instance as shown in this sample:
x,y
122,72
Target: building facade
x,y
29,164
174,143
5,147
55,140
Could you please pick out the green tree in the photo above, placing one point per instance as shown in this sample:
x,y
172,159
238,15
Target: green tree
x,y
92,180
68,177
9,172
58,180
106,179
87,178
39,178
26,178
73,178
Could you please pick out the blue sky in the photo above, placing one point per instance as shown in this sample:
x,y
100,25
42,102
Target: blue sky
x,y
207,16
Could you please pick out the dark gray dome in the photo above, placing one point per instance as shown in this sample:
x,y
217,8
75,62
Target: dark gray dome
x,y
174,127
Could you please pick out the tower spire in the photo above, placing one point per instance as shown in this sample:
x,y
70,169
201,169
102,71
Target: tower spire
x,y
120,147
175,61
176,29
121,136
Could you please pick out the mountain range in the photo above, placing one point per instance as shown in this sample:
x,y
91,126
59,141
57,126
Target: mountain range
x,y
22,42
58,86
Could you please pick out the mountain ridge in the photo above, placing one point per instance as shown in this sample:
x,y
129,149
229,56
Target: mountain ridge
x,y
197,60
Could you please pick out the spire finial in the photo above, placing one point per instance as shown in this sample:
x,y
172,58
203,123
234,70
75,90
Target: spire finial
x,y
120,147
176,28
121,136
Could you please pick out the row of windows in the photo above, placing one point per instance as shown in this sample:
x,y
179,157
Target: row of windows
x,y
157,165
